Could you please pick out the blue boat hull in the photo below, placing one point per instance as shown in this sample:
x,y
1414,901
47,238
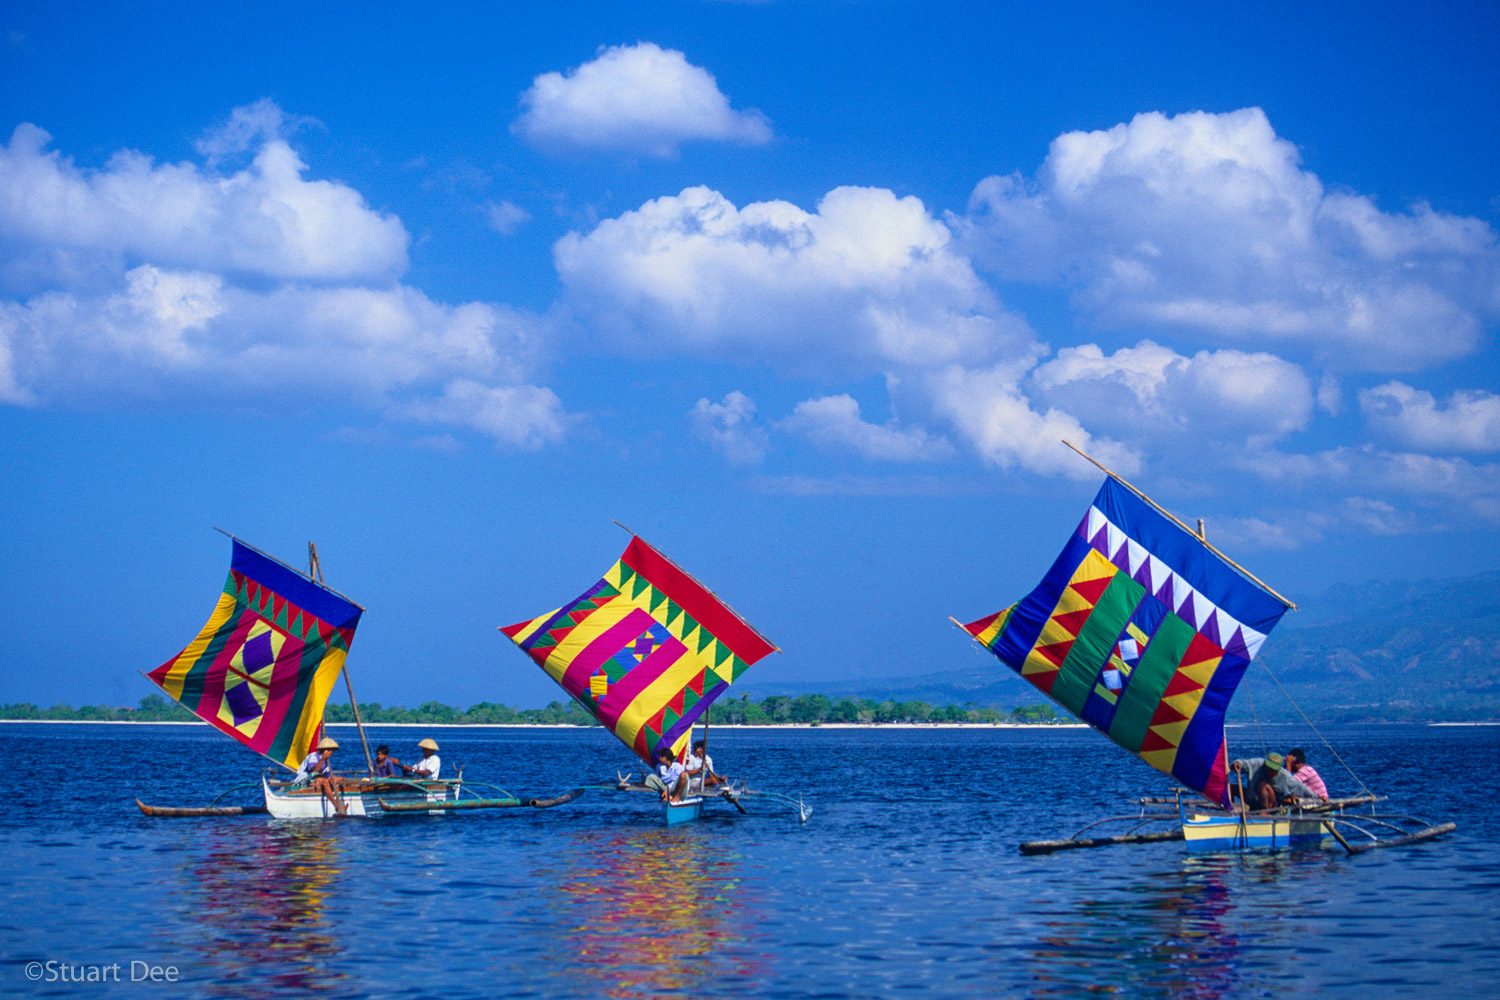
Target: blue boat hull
x,y
686,811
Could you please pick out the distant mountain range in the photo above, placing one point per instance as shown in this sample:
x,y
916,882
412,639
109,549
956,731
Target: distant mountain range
x,y
1408,651
1392,651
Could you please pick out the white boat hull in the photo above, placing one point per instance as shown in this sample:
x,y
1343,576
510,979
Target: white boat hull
x,y
283,801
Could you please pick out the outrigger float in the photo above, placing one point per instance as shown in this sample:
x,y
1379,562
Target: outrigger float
x,y
261,672
645,651
1351,823
1143,630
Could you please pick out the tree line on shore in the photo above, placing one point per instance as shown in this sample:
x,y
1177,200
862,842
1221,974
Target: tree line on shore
x,y
774,710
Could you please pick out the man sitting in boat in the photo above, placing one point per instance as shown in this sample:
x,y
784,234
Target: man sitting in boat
x,y
428,766
670,779
1296,763
1269,785
700,767
317,769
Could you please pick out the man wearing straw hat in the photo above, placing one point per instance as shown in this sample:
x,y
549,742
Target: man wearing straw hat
x,y
428,766
316,768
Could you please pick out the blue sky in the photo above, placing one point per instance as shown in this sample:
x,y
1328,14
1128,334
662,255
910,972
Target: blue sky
x,y
804,293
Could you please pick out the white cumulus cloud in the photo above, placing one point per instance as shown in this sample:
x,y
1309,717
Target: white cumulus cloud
x,y
867,282
167,332
247,128
636,99
527,417
1308,525
1413,418
834,422
148,282
731,427
1450,488
1151,390
266,220
991,412
1208,225
505,217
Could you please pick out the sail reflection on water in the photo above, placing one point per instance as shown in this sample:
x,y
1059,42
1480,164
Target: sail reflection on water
x,y
257,893
1179,933
649,913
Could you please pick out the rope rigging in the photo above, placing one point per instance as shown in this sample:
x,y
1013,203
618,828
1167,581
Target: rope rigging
x,y
1363,787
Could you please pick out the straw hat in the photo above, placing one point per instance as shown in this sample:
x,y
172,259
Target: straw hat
x,y
328,743
428,745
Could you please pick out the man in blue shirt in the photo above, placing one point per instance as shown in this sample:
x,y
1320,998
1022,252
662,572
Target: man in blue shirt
x,y
384,766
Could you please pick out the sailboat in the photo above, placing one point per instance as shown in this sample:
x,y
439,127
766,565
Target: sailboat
x,y
261,671
1143,630
645,651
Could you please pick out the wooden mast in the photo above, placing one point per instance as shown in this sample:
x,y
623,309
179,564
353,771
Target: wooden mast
x,y
315,571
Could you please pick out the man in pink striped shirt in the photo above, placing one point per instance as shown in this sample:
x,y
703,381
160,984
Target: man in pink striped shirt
x,y
1296,762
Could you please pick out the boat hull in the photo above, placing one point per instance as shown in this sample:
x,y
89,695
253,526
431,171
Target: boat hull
x,y
685,811
1207,832
286,802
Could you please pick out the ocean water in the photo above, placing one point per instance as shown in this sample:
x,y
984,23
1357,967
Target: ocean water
x,y
906,881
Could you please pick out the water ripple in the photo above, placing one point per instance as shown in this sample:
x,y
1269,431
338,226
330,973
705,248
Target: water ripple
x,y
906,881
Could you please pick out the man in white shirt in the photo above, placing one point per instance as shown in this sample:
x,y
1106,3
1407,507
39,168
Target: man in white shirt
x,y
700,767
427,767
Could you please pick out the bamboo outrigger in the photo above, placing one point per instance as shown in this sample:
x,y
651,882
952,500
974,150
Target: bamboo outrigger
x,y
1319,824
690,807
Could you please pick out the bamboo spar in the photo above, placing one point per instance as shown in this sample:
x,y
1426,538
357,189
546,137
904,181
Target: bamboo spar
x,y
315,572
1178,521
293,569
1049,846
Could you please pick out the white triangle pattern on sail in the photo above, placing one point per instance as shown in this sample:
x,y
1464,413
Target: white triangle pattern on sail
x,y
1168,586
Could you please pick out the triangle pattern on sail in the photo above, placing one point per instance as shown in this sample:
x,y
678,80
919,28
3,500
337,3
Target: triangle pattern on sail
x,y
1074,606
1140,633
668,646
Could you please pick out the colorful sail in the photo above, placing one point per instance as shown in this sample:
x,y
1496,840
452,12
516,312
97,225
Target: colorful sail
x,y
1142,632
645,650
263,666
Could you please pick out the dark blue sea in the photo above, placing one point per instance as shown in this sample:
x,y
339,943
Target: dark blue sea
x,y
905,882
